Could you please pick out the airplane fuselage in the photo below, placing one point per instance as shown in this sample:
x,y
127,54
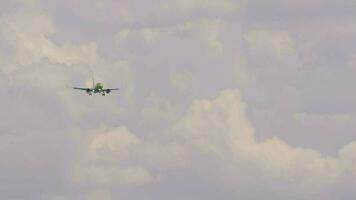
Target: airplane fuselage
x,y
98,88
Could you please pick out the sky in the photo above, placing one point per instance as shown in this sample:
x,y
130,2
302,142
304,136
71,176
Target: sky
x,y
219,99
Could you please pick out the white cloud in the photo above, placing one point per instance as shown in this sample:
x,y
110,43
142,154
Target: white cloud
x,y
116,156
28,2
220,127
242,75
29,34
323,117
209,5
105,176
121,35
159,109
58,80
151,35
39,61
282,43
118,74
181,80
209,32
112,147
92,195
212,125
347,158
116,140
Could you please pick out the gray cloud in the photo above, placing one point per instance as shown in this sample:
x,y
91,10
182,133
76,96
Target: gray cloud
x,y
170,132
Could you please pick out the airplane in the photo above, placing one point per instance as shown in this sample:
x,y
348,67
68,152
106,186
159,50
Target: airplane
x,y
97,88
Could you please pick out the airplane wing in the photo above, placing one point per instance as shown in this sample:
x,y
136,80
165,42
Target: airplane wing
x,y
87,90
108,90
78,88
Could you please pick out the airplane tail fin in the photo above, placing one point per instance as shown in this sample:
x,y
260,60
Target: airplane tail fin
x,y
92,76
93,82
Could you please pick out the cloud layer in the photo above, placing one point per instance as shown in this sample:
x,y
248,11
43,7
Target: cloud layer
x,y
221,99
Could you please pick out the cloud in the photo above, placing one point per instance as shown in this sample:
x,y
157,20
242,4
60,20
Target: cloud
x,y
213,149
112,147
29,34
118,73
117,140
281,43
106,176
151,35
52,66
241,71
180,80
28,2
220,127
159,109
210,5
93,195
297,11
210,35
111,156
347,158
206,32
121,35
323,117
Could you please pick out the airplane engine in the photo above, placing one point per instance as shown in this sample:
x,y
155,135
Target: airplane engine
x,y
108,91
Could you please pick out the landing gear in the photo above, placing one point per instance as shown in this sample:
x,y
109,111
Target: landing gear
x,y
90,94
103,94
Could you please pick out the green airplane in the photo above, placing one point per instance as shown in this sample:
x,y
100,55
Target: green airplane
x,y
97,89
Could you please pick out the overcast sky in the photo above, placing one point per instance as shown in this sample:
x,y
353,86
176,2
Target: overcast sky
x,y
219,99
